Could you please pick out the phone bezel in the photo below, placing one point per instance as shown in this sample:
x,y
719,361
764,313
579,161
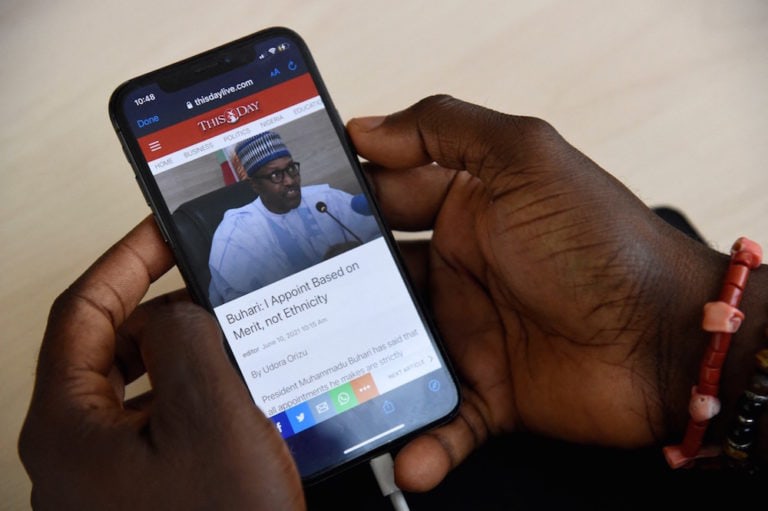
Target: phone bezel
x,y
166,225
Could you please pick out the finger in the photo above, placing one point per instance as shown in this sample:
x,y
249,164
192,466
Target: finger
x,y
202,418
187,365
127,356
410,199
455,134
415,255
80,336
425,461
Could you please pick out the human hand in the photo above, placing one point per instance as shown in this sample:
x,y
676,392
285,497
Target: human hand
x,y
558,293
196,441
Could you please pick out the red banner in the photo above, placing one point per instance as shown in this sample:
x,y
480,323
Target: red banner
x,y
228,117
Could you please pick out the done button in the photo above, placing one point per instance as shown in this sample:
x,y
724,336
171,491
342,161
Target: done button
x,y
143,123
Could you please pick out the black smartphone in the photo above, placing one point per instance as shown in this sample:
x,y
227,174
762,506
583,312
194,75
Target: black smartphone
x,y
255,186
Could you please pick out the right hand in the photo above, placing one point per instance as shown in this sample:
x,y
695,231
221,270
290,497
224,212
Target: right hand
x,y
560,296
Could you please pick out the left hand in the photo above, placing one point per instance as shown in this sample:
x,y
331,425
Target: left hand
x,y
196,441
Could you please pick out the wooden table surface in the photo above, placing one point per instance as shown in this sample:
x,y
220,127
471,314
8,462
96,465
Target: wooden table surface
x,y
670,97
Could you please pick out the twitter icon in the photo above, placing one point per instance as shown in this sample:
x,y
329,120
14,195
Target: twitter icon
x,y
300,417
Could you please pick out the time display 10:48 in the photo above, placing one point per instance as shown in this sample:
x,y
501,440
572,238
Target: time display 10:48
x,y
144,99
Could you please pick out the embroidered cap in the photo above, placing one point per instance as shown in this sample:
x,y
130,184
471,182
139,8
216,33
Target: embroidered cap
x,y
257,151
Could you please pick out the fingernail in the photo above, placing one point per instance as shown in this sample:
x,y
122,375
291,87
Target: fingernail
x,y
368,123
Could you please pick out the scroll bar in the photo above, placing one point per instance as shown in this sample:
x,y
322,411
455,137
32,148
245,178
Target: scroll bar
x,y
374,438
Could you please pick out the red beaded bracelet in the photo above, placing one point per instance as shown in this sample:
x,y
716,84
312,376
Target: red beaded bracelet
x,y
722,318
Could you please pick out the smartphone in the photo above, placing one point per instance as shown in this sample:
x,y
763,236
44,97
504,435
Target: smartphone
x,y
256,188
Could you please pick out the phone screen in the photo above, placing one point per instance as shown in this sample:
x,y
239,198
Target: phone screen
x,y
246,165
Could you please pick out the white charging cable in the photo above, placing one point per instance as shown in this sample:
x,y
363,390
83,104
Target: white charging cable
x,y
384,471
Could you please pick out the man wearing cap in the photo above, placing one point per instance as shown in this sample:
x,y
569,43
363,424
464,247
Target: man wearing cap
x,y
286,229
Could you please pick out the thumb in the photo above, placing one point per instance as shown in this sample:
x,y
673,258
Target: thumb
x,y
410,199
204,423
454,134
192,379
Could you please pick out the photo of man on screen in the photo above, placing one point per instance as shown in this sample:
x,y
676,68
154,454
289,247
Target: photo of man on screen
x,y
287,228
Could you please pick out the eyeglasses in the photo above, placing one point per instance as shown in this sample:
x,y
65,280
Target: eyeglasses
x,y
277,176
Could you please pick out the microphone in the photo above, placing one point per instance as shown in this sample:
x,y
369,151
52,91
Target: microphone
x,y
322,207
360,205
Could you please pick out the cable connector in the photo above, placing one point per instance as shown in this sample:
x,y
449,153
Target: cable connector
x,y
383,468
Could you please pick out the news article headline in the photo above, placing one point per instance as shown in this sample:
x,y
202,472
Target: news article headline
x,y
272,310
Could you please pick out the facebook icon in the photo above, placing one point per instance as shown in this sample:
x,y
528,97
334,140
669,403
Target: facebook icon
x,y
282,424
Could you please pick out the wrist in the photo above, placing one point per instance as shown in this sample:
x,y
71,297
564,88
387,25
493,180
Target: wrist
x,y
720,365
683,344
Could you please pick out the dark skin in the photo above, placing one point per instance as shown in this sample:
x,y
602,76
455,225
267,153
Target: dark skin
x,y
277,197
568,308
194,442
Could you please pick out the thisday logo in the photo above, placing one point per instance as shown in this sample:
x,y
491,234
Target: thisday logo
x,y
229,116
